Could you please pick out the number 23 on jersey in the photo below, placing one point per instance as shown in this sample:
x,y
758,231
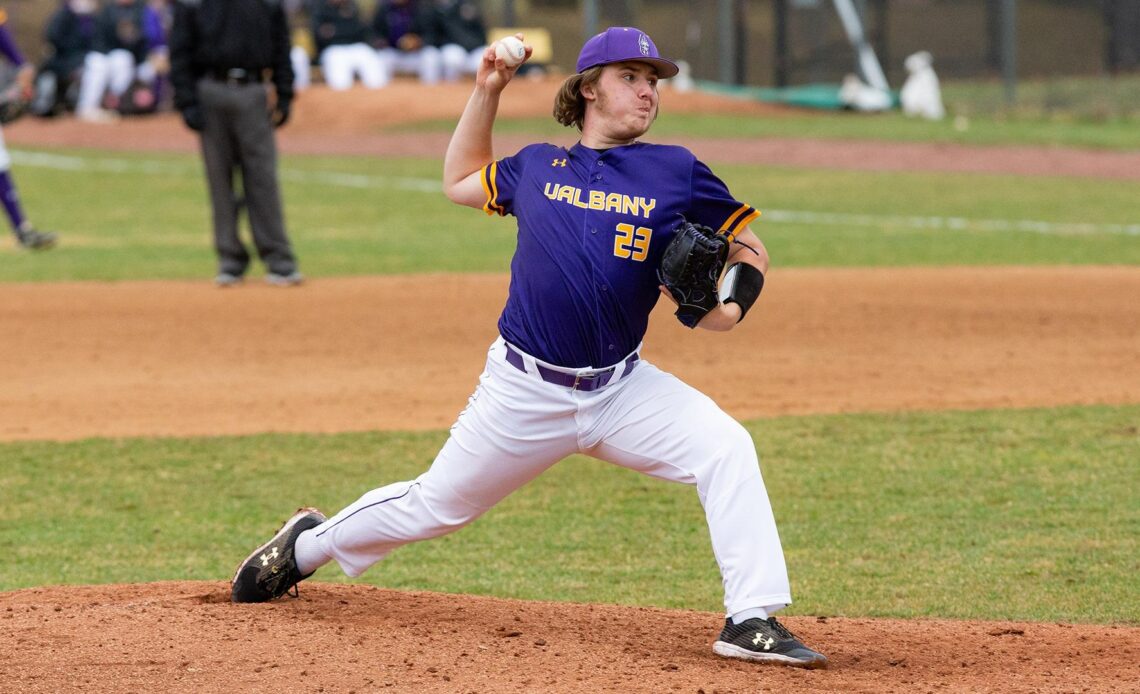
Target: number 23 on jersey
x,y
632,242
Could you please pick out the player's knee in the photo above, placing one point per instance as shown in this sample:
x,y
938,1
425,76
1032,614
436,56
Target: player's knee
x,y
445,510
728,453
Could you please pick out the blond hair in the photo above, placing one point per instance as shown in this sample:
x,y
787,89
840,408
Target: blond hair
x,y
569,105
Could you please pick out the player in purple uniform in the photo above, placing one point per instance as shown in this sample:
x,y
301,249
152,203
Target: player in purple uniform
x,y
565,376
26,234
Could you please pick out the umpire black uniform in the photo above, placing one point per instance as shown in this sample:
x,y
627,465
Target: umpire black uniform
x,y
222,53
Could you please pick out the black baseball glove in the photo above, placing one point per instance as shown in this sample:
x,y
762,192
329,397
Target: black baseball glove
x,y
12,104
690,270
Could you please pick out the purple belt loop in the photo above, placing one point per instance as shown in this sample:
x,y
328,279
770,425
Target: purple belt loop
x,y
515,359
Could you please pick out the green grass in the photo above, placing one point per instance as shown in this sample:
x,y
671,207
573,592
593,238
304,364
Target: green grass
x,y
134,216
1118,134
148,217
1103,100
891,198
1023,514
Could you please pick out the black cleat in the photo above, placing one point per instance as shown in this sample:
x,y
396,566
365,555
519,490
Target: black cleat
x,y
766,641
271,570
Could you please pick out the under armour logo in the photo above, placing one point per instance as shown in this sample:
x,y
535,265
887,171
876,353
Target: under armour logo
x,y
558,162
761,641
265,558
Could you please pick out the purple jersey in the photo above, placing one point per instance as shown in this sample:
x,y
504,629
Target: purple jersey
x,y
592,228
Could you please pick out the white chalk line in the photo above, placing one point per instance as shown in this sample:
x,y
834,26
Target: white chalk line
x,y
945,223
426,185
63,162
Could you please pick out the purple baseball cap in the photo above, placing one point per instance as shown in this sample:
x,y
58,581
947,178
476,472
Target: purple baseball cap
x,y
618,44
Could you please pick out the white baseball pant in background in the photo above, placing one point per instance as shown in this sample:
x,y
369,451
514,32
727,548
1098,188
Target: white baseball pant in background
x,y
458,61
114,72
302,69
341,65
425,63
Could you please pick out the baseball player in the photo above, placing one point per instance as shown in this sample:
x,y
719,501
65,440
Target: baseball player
x,y
565,375
129,44
457,28
344,46
26,234
398,28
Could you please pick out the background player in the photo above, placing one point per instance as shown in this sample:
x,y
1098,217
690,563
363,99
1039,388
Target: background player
x,y
398,29
26,234
129,44
457,28
344,45
565,376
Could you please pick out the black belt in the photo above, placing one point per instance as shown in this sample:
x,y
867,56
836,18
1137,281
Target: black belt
x,y
235,75
593,381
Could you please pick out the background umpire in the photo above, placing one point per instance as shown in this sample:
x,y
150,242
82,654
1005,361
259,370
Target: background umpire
x,y
222,52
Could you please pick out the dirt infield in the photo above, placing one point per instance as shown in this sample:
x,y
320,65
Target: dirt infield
x,y
182,358
343,354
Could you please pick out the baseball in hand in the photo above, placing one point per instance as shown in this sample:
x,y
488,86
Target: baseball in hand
x,y
510,50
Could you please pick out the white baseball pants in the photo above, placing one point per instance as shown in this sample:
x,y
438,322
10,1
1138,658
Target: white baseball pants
x,y
113,72
340,65
302,68
5,157
458,61
426,63
516,425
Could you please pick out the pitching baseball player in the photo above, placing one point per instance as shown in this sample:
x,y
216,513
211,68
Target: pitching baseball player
x,y
605,228
26,234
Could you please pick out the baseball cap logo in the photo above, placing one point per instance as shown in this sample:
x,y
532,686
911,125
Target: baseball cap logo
x,y
643,44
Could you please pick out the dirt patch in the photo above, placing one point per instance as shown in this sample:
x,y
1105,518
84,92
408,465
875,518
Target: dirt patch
x,y
345,354
183,358
185,637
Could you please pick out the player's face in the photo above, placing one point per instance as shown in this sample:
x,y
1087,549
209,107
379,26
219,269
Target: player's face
x,y
624,102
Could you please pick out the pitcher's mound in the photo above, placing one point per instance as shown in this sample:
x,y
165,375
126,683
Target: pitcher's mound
x,y
187,636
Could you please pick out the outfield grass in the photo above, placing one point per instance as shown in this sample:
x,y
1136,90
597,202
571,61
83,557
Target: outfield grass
x,y
1026,514
135,216
1116,134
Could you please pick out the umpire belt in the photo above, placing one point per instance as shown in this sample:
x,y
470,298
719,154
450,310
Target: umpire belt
x,y
235,75
574,379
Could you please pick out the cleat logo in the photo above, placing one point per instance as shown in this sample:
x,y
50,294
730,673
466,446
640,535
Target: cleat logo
x,y
761,641
268,556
